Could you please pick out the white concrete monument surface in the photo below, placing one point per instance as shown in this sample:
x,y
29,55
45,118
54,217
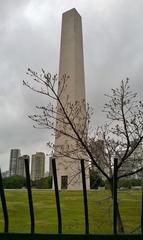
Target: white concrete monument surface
x,y
71,64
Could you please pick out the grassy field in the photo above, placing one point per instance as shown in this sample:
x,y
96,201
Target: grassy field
x,y
100,211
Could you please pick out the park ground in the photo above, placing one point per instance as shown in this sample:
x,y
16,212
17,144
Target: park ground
x,y
100,211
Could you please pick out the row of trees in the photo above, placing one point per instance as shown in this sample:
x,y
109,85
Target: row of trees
x,y
18,182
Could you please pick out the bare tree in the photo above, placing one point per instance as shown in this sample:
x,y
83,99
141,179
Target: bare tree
x,y
121,135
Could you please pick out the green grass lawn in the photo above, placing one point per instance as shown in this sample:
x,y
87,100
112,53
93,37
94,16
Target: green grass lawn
x,y
100,211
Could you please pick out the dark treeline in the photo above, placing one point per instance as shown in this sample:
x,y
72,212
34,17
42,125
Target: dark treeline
x,y
16,182
96,181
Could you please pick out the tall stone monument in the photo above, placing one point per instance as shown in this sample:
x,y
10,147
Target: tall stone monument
x,y
71,64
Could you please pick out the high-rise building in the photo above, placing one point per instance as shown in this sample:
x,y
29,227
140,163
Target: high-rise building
x,y
5,174
20,167
71,64
50,167
98,151
14,155
97,147
134,162
38,166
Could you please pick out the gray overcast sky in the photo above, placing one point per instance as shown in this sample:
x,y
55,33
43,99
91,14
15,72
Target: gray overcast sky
x,y
30,37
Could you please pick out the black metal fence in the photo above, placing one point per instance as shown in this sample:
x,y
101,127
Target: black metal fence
x,y
6,235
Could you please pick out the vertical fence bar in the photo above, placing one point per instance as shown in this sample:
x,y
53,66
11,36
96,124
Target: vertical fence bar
x,y
4,205
28,183
57,196
85,197
142,205
115,204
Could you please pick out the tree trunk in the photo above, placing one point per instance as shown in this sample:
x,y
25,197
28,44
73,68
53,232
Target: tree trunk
x,y
120,225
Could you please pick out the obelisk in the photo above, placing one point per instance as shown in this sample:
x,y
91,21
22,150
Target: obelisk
x,y
71,64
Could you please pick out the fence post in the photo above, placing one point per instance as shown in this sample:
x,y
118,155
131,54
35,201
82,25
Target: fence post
x,y
85,197
57,196
4,205
115,204
28,183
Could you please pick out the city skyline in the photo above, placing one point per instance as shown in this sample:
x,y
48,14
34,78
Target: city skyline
x,y
17,165
112,35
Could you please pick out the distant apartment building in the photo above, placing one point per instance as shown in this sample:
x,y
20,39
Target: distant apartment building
x,y
38,166
20,167
98,151
46,174
133,163
50,167
5,174
14,155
